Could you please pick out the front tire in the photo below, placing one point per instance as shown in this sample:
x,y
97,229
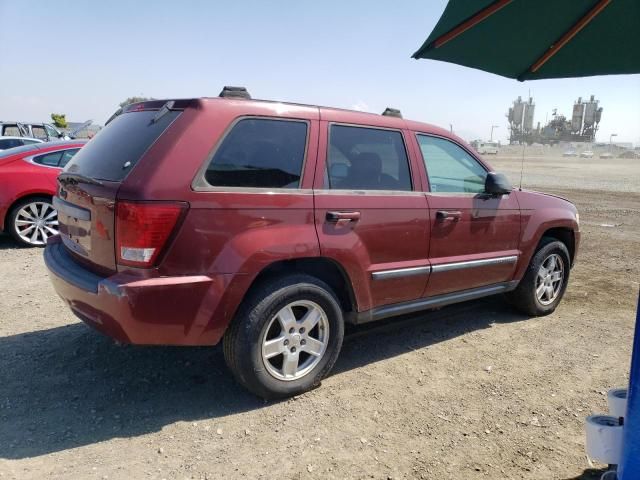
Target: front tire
x,y
285,337
545,281
32,221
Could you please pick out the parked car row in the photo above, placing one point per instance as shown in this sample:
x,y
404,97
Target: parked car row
x,y
590,154
268,226
45,132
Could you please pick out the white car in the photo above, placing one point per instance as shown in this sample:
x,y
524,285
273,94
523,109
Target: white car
x,y
12,142
487,148
586,154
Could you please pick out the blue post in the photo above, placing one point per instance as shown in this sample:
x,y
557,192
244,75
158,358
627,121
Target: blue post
x,y
629,468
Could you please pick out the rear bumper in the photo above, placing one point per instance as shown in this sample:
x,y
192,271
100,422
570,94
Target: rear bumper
x,y
134,309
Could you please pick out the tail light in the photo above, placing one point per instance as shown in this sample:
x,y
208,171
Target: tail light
x,y
142,230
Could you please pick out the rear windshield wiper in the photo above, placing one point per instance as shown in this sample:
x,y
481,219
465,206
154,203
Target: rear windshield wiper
x,y
75,178
166,108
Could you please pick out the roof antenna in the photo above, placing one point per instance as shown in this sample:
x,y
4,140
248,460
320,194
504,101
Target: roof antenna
x,y
524,144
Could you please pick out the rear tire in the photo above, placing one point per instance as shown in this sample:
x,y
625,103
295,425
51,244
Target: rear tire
x,y
545,281
285,337
32,221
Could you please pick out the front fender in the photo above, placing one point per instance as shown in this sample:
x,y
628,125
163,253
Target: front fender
x,y
539,214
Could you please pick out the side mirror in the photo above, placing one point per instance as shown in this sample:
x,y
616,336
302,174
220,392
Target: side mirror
x,y
497,184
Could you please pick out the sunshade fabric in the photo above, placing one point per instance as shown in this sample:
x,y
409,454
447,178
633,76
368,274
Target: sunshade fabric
x,y
510,40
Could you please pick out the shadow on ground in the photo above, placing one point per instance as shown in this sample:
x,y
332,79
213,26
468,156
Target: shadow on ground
x,y
68,386
591,474
7,242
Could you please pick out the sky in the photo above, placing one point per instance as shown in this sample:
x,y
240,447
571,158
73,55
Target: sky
x,y
82,58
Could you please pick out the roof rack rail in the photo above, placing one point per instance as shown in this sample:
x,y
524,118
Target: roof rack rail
x,y
392,112
235,92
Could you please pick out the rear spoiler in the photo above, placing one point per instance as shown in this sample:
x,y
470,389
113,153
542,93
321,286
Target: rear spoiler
x,y
154,105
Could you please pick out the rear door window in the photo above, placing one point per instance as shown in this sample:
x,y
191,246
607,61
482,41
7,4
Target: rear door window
x,y
39,132
56,159
51,159
118,147
362,158
260,153
67,155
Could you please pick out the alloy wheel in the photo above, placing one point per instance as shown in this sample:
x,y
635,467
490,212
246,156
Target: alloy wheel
x,y
35,222
295,340
550,279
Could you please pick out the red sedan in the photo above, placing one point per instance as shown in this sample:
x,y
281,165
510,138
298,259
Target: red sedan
x,y
27,183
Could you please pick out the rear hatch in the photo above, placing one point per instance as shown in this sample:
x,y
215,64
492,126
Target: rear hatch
x,y
88,187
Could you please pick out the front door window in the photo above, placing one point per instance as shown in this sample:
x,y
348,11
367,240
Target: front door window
x,y
450,168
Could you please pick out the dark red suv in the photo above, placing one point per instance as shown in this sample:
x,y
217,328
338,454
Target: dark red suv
x,y
269,225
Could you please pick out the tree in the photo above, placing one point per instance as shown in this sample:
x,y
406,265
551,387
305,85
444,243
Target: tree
x,y
131,100
59,120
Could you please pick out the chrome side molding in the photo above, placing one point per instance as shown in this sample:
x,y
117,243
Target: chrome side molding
x,y
447,267
442,267
400,272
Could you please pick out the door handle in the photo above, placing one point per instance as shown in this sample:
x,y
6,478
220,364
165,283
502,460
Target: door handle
x,y
335,217
448,215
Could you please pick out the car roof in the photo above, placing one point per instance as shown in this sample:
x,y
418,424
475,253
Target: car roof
x,y
330,114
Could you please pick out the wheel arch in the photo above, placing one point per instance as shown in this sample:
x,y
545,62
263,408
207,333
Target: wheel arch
x,y
565,235
322,268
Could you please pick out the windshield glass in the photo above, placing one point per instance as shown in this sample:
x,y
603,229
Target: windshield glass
x,y
113,153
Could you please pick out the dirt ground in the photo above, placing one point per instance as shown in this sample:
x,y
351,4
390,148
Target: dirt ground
x,y
467,392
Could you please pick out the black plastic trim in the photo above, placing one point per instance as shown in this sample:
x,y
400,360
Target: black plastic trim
x,y
413,306
61,264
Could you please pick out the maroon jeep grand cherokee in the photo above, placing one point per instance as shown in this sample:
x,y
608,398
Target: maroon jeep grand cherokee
x,y
269,225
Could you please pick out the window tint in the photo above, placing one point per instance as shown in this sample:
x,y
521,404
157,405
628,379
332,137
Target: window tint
x,y
67,155
449,167
10,143
50,159
112,153
366,159
260,153
28,141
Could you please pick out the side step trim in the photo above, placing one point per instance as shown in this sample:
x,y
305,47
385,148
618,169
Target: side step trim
x,y
437,301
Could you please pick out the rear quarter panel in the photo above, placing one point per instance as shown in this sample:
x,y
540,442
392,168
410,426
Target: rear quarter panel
x,y
227,233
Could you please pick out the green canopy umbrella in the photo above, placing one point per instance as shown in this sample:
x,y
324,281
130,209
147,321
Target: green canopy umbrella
x,y
529,39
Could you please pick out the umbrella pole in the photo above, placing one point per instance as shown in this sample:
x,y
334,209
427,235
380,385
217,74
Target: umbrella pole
x,y
629,467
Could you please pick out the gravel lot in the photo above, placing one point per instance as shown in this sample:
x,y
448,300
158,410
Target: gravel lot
x,y
470,391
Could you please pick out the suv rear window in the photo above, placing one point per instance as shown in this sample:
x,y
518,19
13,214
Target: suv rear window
x,y
260,153
116,149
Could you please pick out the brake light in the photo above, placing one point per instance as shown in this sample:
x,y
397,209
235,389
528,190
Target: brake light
x,y
142,230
